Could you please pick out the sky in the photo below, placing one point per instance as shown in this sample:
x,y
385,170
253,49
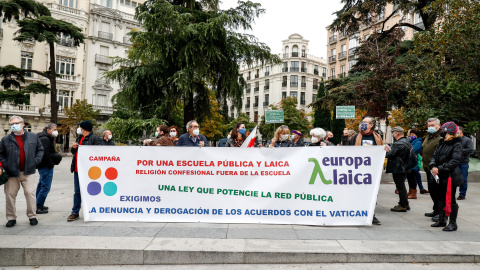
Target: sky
x,y
308,18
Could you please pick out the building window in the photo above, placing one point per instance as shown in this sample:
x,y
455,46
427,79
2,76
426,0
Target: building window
x,y
295,51
100,74
314,97
294,66
267,85
302,98
342,70
267,71
65,98
127,2
102,100
66,67
267,101
27,60
257,73
284,81
304,66
324,72
304,52
315,83
285,54
332,73
351,64
293,94
255,117
304,81
104,50
65,40
315,69
257,86
285,67
68,3
284,95
256,102
106,3
294,81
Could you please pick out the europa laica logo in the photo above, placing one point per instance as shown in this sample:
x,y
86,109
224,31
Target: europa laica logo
x,y
352,177
94,188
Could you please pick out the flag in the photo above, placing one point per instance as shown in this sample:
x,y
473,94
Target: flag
x,y
250,140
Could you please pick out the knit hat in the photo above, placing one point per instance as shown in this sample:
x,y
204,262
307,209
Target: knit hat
x,y
450,127
86,125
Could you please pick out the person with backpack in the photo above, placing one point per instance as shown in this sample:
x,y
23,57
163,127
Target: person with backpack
x,y
414,176
398,157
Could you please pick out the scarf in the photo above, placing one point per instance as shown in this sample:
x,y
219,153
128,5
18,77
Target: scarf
x,y
448,199
366,133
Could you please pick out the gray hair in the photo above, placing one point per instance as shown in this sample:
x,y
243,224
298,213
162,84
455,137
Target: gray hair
x,y
105,131
50,126
460,128
319,132
189,124
16,116
433,119
371,120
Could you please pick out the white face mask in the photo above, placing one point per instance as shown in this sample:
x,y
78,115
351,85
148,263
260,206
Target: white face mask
x,y
284,137
196,132
314,140
79,131
54,133
173,134
109,137
229,136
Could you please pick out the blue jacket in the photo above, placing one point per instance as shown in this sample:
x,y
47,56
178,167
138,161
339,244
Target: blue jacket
x,y
417,147
222,142
186,140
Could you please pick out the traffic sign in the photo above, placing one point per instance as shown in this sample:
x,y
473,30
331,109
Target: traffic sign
x,y
345,112
273,116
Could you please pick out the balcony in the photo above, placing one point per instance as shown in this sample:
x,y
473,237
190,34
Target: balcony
x,y
104,110
285,55
294,69
304,85
304,69
266,87
66,42
256,76
19,109
285,69
249,90
284,84
255,105
332,58
247,106
304,55
71,78
256,89
265,103
105,35
352,51
47,111
332,39
343,35
267,73
294,54
66,9
342,55
315,86
99,9
126,40
293,84
103,59
315,71
324,75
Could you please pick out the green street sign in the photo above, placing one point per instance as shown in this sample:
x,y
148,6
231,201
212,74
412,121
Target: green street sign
x,y
345,112
273,116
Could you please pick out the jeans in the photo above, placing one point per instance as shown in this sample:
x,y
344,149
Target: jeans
x,y
44,184
77,198
399,179
463,188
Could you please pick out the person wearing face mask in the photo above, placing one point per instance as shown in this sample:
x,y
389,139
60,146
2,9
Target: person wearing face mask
x,y
45,168
282,137
238,136
107,138
329,137
174,132
193,136
223,141
318,137
163,136
367,135
429,145
445,166
85,137
297,139
414,177
20,153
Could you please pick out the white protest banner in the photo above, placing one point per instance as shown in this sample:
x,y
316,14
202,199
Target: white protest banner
x,y
302,185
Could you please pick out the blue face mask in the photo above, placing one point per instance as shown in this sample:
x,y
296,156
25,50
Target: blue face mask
x,y
16,128
363,126
432,130
292,137
156,134
413,138
242,131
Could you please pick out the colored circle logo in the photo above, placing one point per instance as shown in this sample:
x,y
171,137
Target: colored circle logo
x,y
94,188
94,173
111,173
110,189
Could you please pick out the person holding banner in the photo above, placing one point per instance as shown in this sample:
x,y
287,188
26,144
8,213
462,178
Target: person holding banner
x,y
238,136
86,137
367,135
318,137
297,139
282,137
446,171
174,132
193,136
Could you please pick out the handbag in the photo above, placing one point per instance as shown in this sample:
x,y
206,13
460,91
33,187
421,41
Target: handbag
x,y
3,177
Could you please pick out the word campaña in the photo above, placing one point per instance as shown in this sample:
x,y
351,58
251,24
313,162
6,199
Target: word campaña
x,y
342,178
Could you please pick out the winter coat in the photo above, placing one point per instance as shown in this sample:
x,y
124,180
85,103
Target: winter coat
x,y
231,143
299,143
446,158
417,148
186,140
428,147
108,143
467,145
10,153
319,143
222,142
397,156
90,139
287,143
48,150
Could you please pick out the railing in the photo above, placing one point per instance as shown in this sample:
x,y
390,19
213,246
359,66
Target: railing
x,y
248,90
324,75
103,59
48,111
332,58
247,106
248,78
284,84
304,55
304,69
66,9
66,42
343,35
294,69
68,77
315,86
285,55
256,76
255,105
123,14
19,109
352,51
267,73
315,71
103,109
294,54
342,55
332,39
303,84
126,40
265,103
302,102
266,87
105,35
256,89
285,69
293,84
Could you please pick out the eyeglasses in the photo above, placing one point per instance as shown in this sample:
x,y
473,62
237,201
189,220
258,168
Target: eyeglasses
x,y
17,123
284,126
195,126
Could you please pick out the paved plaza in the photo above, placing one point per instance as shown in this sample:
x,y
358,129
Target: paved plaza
x,y
402,237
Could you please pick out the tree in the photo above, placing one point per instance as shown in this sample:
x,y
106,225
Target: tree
x,y
213,125
133,129
294,118
78,112
338,125
40,26
183,51
12,78
323,115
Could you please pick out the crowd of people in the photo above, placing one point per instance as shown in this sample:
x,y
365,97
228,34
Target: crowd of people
x,y
443,154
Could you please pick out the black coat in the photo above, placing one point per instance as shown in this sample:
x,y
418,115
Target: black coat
x,y
90,139
10,153
397,156
48,150
447,157
108,143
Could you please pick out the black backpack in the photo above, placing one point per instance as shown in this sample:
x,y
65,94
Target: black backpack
x,y
411,160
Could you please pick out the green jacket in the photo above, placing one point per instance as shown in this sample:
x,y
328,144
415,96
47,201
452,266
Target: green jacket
x,y
429,146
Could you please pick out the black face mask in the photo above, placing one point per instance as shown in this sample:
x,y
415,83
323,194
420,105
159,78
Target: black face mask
x,y
443,133
331,139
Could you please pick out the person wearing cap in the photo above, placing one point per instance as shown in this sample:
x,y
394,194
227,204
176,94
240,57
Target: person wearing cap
x,y
397,156
297,139
445,165
85,137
